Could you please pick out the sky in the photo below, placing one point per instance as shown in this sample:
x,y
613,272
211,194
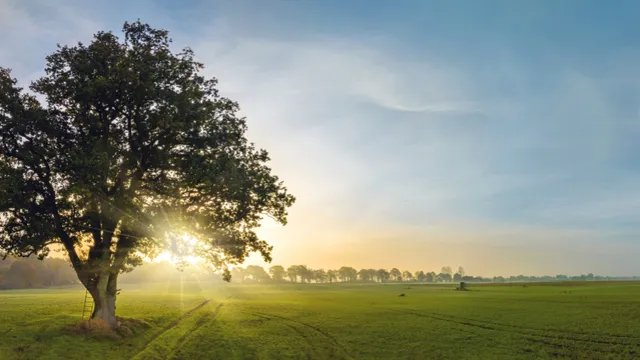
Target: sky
x,y
501,136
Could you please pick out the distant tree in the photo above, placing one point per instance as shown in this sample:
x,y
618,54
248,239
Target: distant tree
x,y
363,275
395,274
293,273
457,277
430,277
382,275
461,271
407,276
257,273
299,272
277,273
445,277
61,271
348,273
367,274
373,274
319,276
353,274
305,273
420,276
447,270
238,274
44,276
21,275
332,276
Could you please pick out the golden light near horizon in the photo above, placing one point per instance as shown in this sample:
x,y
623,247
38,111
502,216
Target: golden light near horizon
x,y
184,248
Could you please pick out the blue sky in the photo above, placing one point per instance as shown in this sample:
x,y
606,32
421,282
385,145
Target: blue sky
x,y
497,135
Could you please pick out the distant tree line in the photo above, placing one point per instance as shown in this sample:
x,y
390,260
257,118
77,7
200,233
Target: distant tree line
x,y
303,274
560,277
32,273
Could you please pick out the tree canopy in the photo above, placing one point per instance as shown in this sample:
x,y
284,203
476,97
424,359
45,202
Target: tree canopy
x,y
132,149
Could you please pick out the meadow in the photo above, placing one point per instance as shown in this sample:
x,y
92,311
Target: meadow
x,y
586,320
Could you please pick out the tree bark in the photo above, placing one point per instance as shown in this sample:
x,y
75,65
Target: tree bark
x,y
104,299
105,308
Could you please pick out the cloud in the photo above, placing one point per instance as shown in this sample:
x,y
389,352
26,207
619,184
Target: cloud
x,y
320,97
334,69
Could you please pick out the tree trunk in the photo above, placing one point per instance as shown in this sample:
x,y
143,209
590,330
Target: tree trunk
x,y
104,299
104,308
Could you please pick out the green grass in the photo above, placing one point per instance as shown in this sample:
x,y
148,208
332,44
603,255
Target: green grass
x,y
572,320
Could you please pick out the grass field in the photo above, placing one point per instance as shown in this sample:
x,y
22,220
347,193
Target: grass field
x,y
207,321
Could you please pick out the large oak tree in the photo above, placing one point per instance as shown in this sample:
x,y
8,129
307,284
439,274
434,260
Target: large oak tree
x,y
133,149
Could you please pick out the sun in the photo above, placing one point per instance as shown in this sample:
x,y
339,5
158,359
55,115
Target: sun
x,y
187,244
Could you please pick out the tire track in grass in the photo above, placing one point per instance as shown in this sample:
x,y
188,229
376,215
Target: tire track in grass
x,y
546,339
560,334
295,329
170,326
333,340
488,326
528,337
564,331
200,323
314,328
